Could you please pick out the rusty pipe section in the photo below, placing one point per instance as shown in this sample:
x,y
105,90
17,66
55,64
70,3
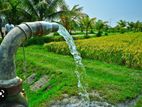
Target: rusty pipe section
x,y
10,45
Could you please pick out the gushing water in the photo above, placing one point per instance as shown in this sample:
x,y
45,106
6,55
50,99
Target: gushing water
x,y
80,70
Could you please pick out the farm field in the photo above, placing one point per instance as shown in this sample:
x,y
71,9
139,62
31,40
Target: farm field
x,y
122,49
114,83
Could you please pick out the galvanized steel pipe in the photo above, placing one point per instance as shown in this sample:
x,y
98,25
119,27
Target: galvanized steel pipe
x,y
10,45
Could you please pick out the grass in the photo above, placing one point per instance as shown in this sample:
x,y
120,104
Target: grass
x,y
139,102
114,83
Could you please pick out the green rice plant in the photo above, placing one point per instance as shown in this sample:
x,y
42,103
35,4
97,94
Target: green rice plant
x,y
123,49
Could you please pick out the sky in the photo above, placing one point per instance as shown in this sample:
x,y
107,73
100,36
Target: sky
x,y
111,10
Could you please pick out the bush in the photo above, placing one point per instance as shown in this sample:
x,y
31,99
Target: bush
x,y
99,34
124,49
46,39
41,40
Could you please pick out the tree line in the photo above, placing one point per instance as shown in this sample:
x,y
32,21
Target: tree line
x,y
74,19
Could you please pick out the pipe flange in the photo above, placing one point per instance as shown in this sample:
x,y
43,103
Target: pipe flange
x,y
13,90
39,29
9,83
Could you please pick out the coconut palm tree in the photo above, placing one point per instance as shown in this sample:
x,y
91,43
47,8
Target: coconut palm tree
x,y
43,9
130,26
138,26
122,26
69,16
31,10
12,10
86,22
101,26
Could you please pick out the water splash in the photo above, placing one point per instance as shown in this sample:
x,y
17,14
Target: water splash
x,y
80,70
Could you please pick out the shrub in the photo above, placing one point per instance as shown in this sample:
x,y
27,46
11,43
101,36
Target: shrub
x,y
41,40
36,40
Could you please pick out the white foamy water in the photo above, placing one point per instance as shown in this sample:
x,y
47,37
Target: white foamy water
x,y
80,70
83,100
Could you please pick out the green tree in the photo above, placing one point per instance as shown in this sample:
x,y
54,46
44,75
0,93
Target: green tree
x,y
12,10
138,26
86,23
135,26
69,16
131,26
121,25
43,9
101,26
31,10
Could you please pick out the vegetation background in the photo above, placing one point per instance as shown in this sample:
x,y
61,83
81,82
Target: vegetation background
x,y
112,55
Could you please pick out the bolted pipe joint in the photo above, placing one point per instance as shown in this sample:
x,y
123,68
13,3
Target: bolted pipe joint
x,y
8,49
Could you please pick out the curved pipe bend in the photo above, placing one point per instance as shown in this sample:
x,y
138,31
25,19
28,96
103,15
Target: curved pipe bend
x,y
11,43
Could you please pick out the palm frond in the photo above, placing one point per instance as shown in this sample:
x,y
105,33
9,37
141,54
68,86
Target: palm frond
x,y
29,7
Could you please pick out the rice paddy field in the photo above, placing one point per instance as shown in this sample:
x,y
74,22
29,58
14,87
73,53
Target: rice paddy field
x,y
113,67
123,49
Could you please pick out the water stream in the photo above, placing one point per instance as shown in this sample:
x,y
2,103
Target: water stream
x,y
80,70
81,75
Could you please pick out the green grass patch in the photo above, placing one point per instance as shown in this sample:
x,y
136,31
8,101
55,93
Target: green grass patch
x,y
139,102
114,83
